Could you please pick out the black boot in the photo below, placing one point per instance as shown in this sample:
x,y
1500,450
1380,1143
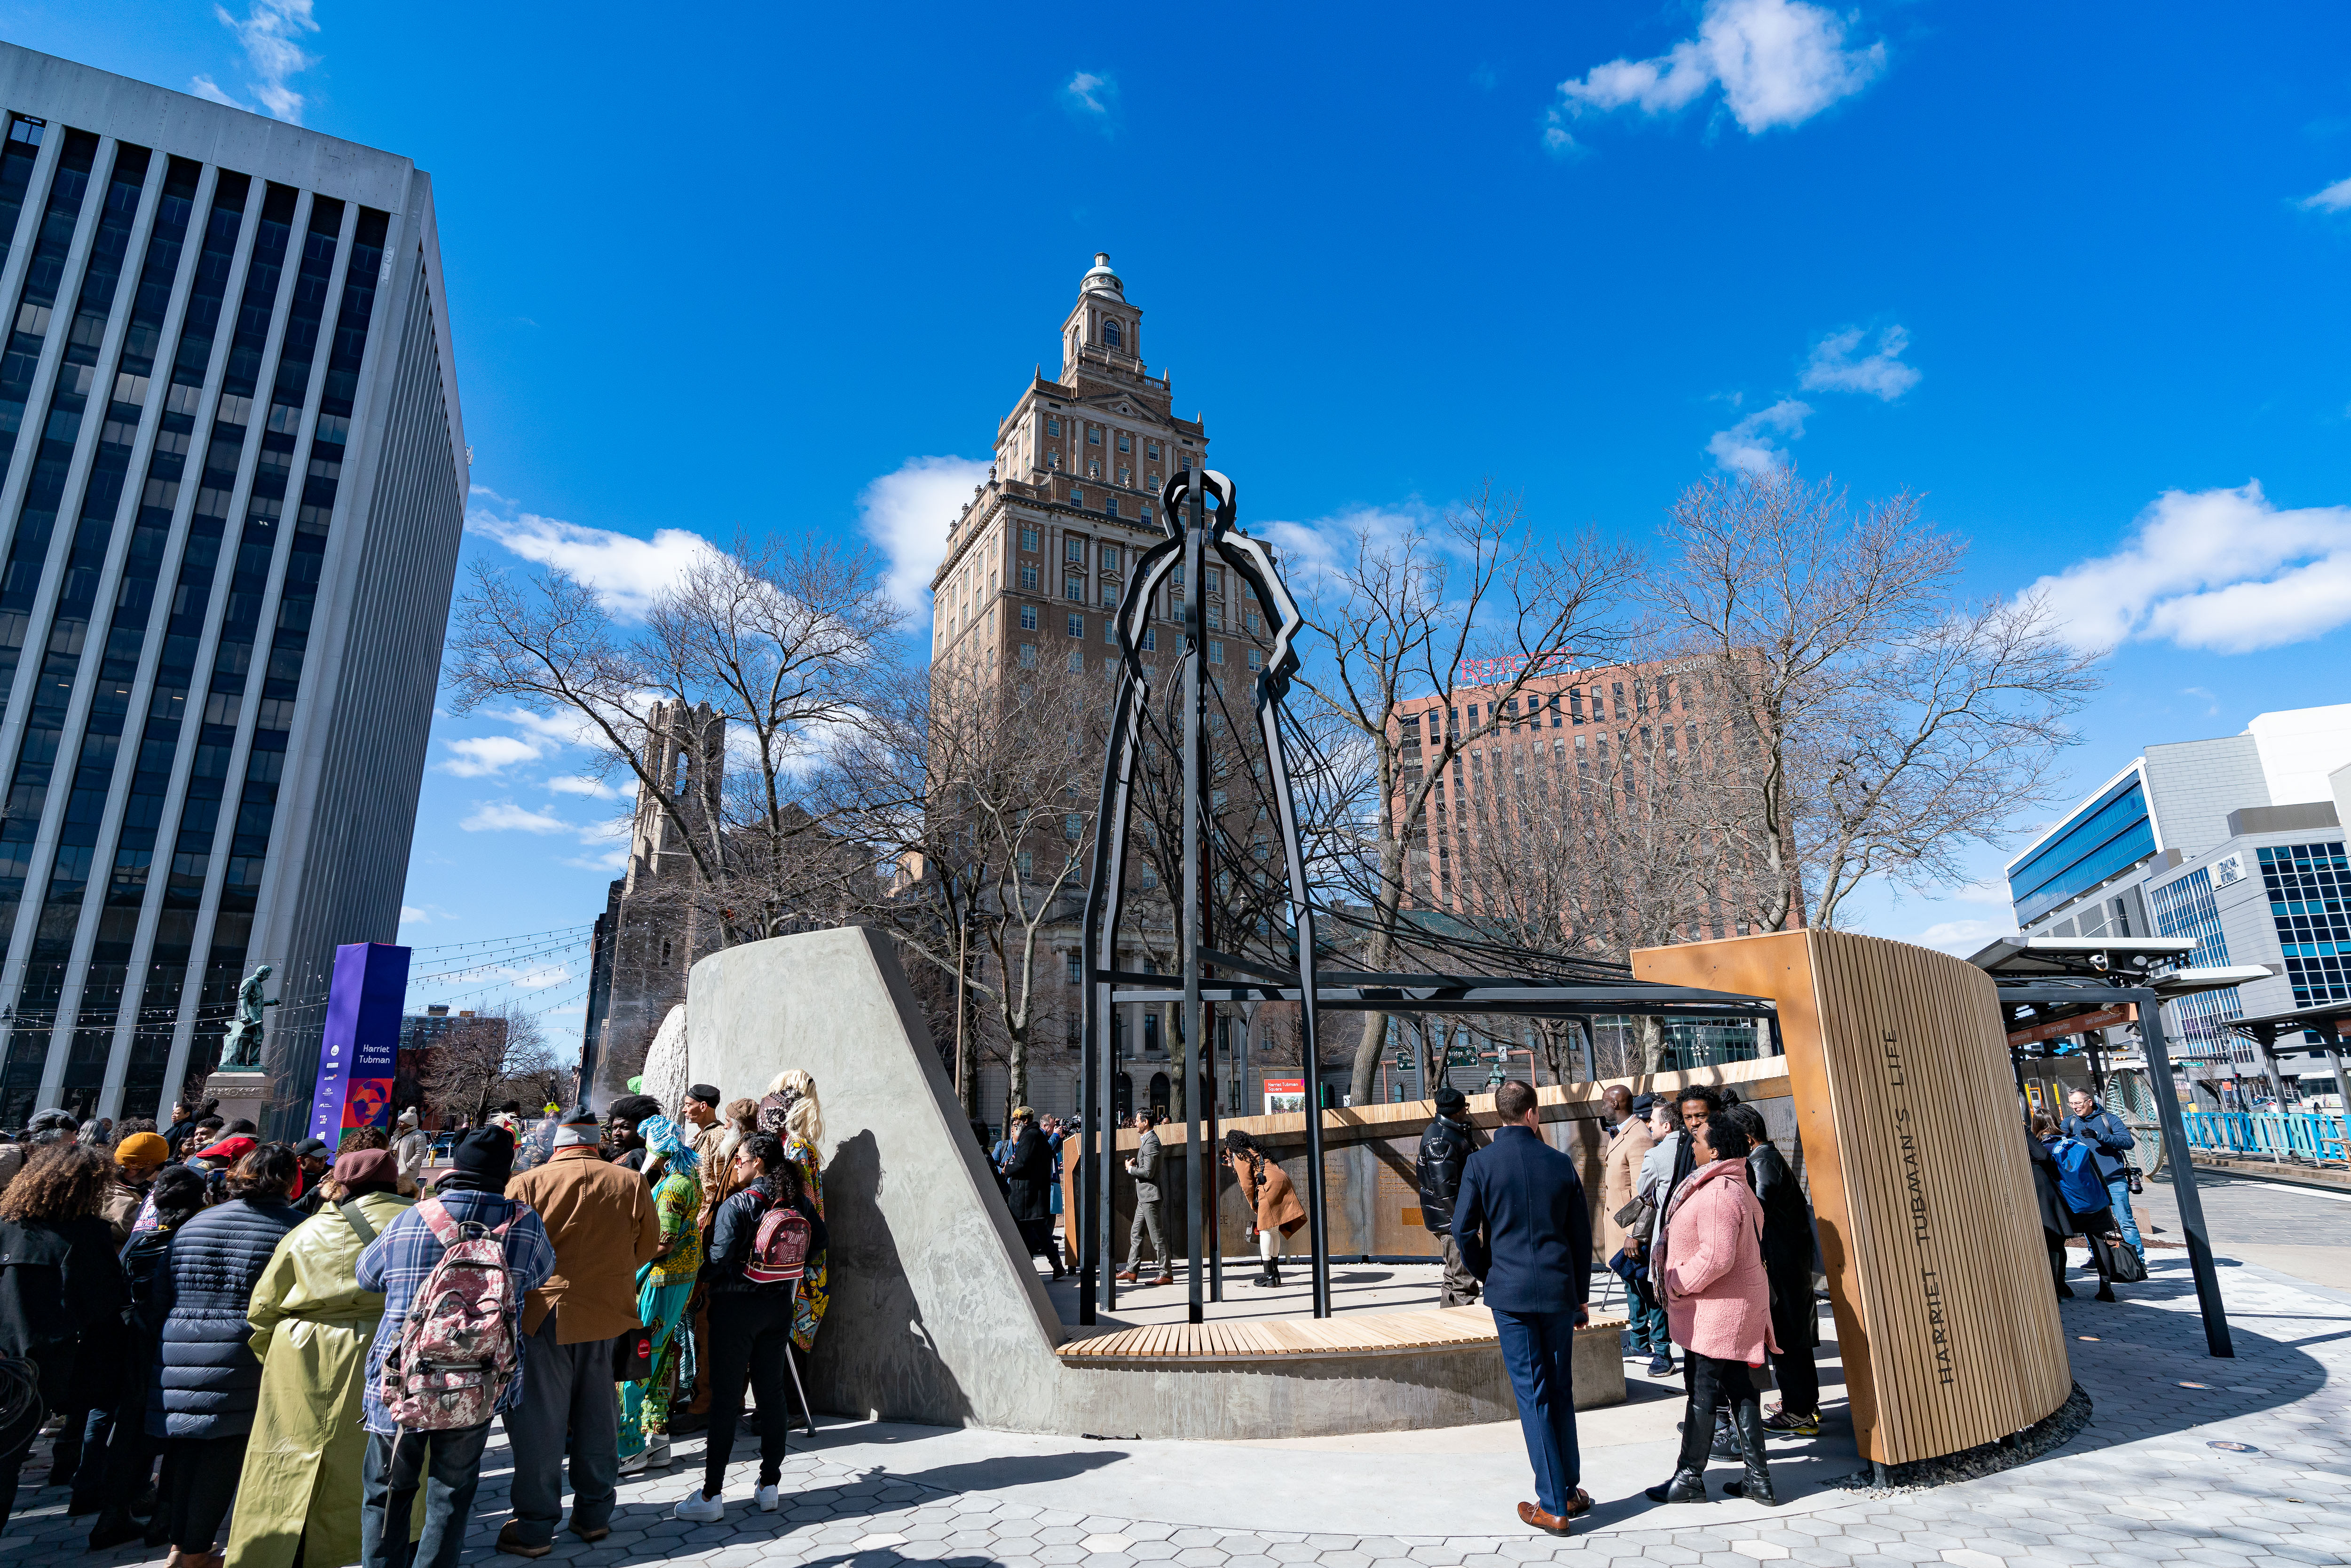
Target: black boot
x,y
1689,1482
1747,1420
1726,1441
115,1527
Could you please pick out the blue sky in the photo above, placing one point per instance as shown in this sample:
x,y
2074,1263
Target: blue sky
x,y
2078,278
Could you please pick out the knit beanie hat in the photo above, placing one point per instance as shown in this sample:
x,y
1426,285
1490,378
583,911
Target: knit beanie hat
x,y
486,1152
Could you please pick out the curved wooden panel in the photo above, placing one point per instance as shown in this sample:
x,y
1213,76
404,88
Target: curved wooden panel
x,y
1929,1231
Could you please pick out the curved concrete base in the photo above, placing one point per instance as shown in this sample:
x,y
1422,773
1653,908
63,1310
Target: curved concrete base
x,y
936,1314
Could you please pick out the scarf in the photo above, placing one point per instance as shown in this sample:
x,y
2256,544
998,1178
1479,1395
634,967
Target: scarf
x,y
661,1135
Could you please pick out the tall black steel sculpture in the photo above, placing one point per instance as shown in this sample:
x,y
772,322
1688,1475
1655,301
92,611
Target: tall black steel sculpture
x,y
1201,517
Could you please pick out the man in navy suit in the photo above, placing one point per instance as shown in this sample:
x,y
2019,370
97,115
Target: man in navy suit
x,y
1523,1230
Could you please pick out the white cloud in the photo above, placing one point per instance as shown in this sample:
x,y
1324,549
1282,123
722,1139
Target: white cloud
x,y
203,87
1964,938
269,32
628,572
595,789
483,756
1090,95
1778,63
2336,198
1881,374
613,859
907,515
504,816
2223,570
411,915
1750,446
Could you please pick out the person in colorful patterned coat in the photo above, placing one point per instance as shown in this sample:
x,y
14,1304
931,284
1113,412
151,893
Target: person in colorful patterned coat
x,y
664,1287
799,1124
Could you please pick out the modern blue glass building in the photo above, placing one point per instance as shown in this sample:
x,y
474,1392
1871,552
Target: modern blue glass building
x,y
235,475
2236,841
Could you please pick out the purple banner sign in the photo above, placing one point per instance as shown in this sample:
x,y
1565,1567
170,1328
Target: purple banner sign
x,y
358,1053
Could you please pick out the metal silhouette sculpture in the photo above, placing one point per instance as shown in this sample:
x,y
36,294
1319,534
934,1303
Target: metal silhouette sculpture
x,y
1202,519
1201,514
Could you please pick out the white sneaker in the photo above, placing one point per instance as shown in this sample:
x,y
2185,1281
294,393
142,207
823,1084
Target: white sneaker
x,y
701,1508
636,1461
771,1500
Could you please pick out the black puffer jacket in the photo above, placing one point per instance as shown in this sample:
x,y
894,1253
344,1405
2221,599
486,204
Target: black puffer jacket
x,y
1444,1148
211,1380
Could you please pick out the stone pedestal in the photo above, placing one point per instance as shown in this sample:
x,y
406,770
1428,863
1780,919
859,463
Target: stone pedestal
x,y
243,1093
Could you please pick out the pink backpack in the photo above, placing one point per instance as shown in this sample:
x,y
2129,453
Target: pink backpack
x,y
454,1358
779,1247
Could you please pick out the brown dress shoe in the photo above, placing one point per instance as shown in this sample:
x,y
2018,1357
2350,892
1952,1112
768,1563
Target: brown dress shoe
x,y
1164,1279
1579,1503
508,1540
1127,1278
1549,1523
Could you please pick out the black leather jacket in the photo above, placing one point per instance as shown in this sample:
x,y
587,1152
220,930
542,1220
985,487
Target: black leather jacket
x,y
1444,1148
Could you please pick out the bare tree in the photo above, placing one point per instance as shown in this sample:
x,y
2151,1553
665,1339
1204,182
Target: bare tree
x,y
785,645
485,1058
777,643
1479,602
979,786
1877,722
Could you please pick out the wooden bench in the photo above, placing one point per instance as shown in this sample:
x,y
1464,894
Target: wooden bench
x,y
1356,1335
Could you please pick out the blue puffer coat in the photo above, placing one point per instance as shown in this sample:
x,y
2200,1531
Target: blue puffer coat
x,y
210,1380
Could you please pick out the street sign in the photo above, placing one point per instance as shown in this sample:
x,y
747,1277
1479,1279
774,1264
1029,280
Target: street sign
x,y
2104,1017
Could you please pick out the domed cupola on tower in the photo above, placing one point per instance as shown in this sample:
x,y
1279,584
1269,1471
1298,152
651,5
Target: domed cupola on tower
x,y
1103,328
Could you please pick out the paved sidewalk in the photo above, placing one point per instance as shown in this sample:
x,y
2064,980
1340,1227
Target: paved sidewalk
x,y
2141,1485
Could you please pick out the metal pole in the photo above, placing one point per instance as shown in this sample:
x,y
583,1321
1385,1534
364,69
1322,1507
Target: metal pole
x,y
1318,1224
1194,872
2268,1049
2183,1175
1091,1082
2342,1098
1211,1184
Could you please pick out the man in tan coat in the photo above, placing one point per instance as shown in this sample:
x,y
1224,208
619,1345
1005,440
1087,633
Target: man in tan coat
x,y
600,1218
1629,1143
1630,1140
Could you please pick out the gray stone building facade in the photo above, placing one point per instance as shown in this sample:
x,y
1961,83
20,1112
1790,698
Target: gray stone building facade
x,y
1035,566
234,484
657,917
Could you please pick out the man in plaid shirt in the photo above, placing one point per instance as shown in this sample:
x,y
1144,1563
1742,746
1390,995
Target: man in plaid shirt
x,y
446,1464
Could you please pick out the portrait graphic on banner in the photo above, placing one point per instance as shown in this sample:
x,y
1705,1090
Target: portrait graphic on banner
x,y
360,1050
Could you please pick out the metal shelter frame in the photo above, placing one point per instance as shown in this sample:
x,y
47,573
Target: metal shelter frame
x,y
2330,1022
2054,978
1199,512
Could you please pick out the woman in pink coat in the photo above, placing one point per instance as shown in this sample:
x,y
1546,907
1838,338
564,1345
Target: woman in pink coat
x,y
1719,1309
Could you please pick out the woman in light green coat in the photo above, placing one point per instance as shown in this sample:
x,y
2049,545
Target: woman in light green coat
x,y
312,1326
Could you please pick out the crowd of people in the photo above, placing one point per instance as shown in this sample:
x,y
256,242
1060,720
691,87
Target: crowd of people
x,y
230,1339
1707,1223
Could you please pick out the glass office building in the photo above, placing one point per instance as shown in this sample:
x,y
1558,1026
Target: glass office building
x,y
232,496
2233,841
